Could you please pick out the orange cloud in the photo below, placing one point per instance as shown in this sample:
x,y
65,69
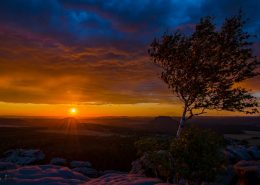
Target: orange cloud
x,y
36,70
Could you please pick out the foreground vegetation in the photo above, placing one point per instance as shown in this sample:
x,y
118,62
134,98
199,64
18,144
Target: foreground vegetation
x,y
195,156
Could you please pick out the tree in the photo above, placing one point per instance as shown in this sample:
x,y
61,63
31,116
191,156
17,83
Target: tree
x,y
204,69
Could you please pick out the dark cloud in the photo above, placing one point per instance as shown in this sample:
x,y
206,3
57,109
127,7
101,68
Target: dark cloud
x,y
62,51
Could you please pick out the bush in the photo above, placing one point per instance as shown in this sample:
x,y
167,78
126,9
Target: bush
x,y
151,144
163,164
197,155
156,159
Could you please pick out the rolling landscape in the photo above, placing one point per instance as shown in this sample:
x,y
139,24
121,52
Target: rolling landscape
x,y
77,139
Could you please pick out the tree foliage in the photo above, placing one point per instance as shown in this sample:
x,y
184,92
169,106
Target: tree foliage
x,y
151,144
197,155
204,69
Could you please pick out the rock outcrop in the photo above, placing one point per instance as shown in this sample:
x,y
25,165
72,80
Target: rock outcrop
x,y
77,164
58,161
15,168
89,172
238,153
42,174
124,179
226,176
254,152
22,156
84,167
59,175
235,153
248,172
7,166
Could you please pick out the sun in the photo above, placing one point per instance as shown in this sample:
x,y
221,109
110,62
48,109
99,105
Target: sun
x,y
73,111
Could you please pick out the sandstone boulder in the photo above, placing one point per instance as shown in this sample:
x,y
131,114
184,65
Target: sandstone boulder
x,y
58,161
248,172
76,164
89,172
23,157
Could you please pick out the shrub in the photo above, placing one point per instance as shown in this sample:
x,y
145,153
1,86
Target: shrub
x,y
151,144
155,157
197,155
163,164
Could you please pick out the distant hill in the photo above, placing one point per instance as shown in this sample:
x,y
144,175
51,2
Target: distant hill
x,y
12,122
165,120
69,120
224,125
227,125
160,124
164,124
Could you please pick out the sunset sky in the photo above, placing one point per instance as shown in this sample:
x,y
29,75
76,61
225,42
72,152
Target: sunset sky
x,y
92,54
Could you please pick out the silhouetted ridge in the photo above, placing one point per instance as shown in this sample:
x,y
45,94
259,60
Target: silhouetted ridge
x,y
164,124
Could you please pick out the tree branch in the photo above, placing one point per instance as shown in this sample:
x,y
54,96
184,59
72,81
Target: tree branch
x,y
192,114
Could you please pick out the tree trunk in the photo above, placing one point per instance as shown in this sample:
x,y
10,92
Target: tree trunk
x,y
181,124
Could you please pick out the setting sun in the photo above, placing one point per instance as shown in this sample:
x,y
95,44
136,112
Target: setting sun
x,y
73,111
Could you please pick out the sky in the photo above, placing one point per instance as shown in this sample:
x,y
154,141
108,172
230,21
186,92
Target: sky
x,y
92,54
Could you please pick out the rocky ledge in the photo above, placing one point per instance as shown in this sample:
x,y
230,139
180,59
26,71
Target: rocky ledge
x,y
60,175
17,167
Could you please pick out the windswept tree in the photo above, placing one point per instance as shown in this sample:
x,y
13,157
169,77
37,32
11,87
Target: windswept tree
x,y
204,69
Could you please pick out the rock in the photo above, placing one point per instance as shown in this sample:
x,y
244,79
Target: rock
x,y
237,152
137,167
7,166
231,141
23,157
42,174
183,182
76,164
254,152
248,172
143,166
226,176
59,175
232,158
58,161
124,179
89,172
110,171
